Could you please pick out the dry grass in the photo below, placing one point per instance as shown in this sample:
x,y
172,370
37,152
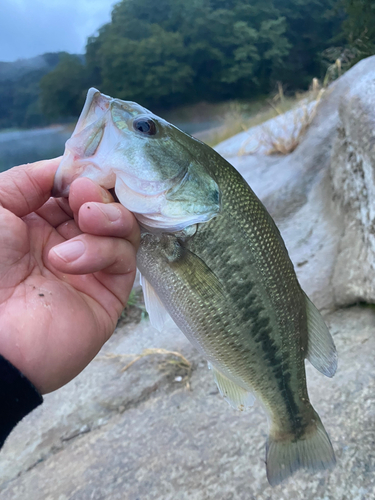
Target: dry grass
x,y
285,137
239,118
286,143
181,362
152,351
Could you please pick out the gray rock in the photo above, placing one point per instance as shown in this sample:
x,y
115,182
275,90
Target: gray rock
x,y
142,434
91,400
190,445
352,170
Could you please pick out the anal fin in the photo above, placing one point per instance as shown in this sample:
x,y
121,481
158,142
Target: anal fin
x,y
236,396
154,306
321,350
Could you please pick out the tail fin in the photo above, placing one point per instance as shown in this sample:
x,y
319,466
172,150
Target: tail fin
x,y
313,451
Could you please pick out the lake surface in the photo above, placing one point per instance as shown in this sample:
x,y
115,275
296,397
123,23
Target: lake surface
x,y
27,146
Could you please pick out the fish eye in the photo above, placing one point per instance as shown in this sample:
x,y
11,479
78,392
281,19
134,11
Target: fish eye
x,y
145,126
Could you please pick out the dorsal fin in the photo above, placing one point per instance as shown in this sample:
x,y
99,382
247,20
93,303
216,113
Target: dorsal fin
x,y
321,350
154,306
236,396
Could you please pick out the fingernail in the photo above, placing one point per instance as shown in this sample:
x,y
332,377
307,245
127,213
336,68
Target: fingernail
x,y
111,212
70,251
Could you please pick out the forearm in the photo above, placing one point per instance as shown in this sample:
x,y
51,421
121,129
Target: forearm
x,y
18,397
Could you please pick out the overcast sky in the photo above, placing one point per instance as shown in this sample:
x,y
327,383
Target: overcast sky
x,y
32,27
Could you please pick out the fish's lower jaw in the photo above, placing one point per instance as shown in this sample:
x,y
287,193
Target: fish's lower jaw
x,y
64,176
158,223
72,167
60,188
287,453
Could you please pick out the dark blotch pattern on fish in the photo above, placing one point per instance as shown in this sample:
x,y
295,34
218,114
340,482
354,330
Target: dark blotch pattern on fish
x,y
277,362
252,315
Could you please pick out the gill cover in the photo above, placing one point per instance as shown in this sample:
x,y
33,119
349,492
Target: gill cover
x,y
122,145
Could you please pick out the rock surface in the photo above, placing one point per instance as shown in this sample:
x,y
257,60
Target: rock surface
x,y
353,170
142,434
181,444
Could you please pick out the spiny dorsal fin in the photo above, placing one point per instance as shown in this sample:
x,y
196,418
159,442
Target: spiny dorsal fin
x,y
236,396
154,306
321,351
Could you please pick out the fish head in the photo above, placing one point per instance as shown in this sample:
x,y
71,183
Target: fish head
x,y
153,166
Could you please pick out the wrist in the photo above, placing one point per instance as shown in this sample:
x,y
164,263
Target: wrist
x,y
18,397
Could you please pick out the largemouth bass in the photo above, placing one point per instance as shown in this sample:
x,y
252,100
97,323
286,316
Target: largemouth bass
x,y
212,257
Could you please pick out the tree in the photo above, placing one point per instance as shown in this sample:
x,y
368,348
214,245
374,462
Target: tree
x,y
233,47
19,90
359,27
149,70
63,89
311,26
139,56
172,51
160,52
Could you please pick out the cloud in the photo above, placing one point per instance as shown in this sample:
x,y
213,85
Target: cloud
x,y
32,27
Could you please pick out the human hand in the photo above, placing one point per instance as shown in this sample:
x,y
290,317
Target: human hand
x,y
66,271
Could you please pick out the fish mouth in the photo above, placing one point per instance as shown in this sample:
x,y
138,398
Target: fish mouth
x,y
114,195
83,144
71,169
90,113
101,107
104,121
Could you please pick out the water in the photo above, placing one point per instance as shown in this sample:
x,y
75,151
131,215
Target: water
x,y
193,128
27,146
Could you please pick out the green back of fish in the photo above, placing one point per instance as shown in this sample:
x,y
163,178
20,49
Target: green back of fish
x,y
235,284
226,279
232,290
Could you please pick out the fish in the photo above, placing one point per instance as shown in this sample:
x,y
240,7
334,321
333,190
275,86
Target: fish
x,y
213,259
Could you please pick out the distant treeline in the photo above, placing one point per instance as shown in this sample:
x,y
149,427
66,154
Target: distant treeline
x,y
173,52
20,93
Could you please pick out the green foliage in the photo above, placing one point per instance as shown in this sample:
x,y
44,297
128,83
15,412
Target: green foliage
x,y
63,89
311,26
19,91
148,69
359,27
170,52
161,53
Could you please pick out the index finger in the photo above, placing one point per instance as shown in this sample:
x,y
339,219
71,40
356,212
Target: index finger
x,y
26,188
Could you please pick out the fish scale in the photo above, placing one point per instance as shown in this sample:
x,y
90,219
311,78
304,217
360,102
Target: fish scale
x,y
250,309
213,258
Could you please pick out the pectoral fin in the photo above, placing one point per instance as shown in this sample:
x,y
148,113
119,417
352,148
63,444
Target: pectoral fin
x,y
154,306
236,396
321,351
193,270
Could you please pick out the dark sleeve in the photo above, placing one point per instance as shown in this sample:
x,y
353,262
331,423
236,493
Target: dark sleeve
x,y
18,397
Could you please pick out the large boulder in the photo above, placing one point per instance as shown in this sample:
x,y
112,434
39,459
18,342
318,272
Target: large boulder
x,y
323,194
353,181
148,434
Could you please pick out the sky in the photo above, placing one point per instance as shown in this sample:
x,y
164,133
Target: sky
x,y
32,27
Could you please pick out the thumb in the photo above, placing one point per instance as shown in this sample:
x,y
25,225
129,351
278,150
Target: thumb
x,y
26,188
